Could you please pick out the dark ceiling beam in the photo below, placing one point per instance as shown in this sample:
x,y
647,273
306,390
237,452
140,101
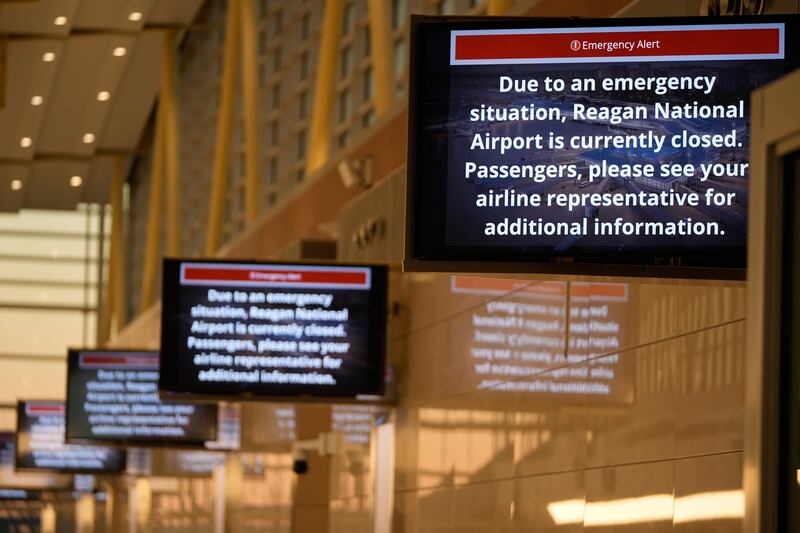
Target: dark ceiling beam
x,y
75,32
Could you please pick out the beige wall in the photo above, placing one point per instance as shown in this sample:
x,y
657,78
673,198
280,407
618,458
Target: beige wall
x,y
668,436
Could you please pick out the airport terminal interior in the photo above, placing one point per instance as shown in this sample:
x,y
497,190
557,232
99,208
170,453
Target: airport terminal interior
x,y
399,266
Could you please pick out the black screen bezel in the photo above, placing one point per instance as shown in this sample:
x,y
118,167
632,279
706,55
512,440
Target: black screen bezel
x,y
71,438
426,249
24,468
171,388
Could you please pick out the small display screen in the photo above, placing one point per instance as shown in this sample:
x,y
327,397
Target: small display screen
x,y
112,396
40,443
273,329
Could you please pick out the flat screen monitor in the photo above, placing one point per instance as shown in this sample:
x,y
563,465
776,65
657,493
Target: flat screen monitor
x,y
586,146
40,443
248,330
112,397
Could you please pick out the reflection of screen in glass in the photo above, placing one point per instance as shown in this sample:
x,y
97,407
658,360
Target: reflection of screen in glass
x,y
272,329
112,396
550,338
589,139
40,443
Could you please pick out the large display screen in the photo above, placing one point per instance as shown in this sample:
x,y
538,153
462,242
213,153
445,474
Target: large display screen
x,y
40,443
272,329
561,342
596,141
112,396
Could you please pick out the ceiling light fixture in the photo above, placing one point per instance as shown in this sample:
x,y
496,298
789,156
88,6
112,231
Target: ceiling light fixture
x,y
119,51
48,57
36,100
26,142
16,184
135,16
88,138
103,96
60,21
76,181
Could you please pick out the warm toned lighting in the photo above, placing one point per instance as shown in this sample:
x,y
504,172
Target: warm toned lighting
x,y
48,57
60,21
26,142
119,51
709,506
36,100
103,96
76,181
88,138
16,184
703,506
566,511
136,16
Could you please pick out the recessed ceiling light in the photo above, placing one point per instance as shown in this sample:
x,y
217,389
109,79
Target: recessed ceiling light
x,y
135,16
48,57
60,21
26,142
88,138
103,96
36,100
16,184
119,51
76,181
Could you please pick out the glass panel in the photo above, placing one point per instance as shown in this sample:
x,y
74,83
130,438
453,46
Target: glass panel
x,y
346,62
344,105
399,53
305,26
304,65
30,244
45,271
44,295
398,13
32,378
446,7
348,19
27,332
38,220
369,84
301,144
91,328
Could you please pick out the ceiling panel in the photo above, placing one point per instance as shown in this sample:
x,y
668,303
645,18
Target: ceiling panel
x,y
82,64
49,186
174,12
87,67
107,14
